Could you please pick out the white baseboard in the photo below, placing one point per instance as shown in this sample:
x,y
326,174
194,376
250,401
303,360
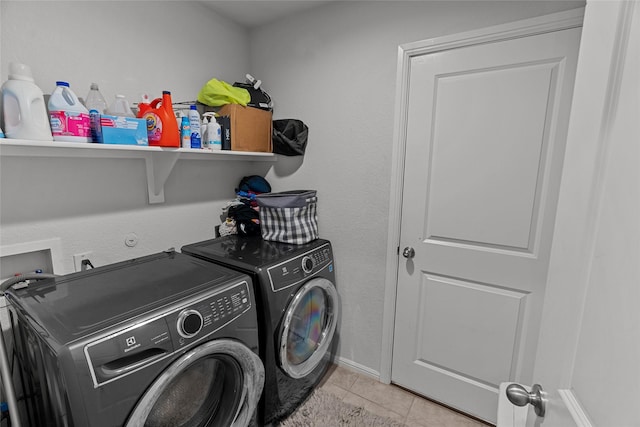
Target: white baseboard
x,y
575,408
361,369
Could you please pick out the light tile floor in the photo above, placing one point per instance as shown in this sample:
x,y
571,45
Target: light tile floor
x,y
391,401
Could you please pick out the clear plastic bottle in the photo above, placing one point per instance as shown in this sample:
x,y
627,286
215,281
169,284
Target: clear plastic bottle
x,y
95,100
120,107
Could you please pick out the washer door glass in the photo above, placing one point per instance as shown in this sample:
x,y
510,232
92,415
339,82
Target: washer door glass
x,y
199,394
308,327
216,384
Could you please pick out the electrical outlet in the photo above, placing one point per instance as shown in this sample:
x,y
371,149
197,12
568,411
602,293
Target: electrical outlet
x,y
78,258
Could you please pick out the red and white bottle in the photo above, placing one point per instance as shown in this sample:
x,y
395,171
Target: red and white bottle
x,y
69,119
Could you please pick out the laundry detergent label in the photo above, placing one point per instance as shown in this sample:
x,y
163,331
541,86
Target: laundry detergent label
x,y
69,123
154,127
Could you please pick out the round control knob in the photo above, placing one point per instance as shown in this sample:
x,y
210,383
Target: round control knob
x,y
307,264
189,323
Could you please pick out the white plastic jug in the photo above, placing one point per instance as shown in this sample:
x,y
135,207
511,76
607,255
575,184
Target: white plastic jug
x,y
70,119
120,107
24,110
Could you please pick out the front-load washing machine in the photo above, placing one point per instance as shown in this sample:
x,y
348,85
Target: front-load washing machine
x,y
162,340
298,309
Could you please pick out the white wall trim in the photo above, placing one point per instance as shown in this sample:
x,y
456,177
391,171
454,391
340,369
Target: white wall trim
x,y
601,158
543,24
522,28
361,369
575,409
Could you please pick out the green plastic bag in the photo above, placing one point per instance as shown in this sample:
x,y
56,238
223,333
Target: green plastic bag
x,y
216,93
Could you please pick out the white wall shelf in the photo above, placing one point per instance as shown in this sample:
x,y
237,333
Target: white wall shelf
x,y
159,161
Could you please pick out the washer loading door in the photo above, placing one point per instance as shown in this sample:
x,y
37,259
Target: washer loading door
x,y
308,327
218,383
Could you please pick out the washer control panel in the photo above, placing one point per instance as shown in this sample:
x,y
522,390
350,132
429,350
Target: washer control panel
x,y
157,337
207,316
294,270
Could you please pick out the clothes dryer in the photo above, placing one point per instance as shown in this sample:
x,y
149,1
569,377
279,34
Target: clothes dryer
x,y
298,308
162,340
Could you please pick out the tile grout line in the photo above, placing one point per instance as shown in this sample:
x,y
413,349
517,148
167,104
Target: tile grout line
x,y
406,419
387,386
378,404
347,386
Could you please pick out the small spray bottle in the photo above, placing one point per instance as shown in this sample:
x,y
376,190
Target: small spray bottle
x,y
185,132
203,130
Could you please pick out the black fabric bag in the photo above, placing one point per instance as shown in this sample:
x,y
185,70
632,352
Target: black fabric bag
x,y
289,137
259,98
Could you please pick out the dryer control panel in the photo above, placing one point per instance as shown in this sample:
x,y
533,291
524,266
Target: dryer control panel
x,y
295,270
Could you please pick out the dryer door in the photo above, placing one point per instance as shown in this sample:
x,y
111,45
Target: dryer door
x,y
308,327
218,383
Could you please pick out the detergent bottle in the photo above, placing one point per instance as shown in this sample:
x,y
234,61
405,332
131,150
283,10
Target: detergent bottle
x,y
25,112
70,120
120,107
162,128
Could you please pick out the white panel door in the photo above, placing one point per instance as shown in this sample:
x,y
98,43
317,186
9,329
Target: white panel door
x,y
485,136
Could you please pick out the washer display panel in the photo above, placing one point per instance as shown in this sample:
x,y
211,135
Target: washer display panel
x,y
308,327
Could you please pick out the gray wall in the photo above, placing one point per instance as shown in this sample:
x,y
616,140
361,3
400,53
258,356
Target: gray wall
x,y
127,47
334,67
131,48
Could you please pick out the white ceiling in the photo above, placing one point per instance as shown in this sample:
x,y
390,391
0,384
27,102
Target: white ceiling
x,y
253,13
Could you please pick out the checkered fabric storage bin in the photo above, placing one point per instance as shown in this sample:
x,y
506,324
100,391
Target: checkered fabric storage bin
x,y
289,216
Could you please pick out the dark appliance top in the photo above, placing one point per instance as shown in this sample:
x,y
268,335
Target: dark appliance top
x,y
249,253
75,305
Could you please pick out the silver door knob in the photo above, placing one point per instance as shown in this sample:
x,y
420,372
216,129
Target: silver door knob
x,y
519,396
408,252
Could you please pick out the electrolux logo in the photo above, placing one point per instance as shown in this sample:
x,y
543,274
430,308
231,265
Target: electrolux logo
x,y
131,344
